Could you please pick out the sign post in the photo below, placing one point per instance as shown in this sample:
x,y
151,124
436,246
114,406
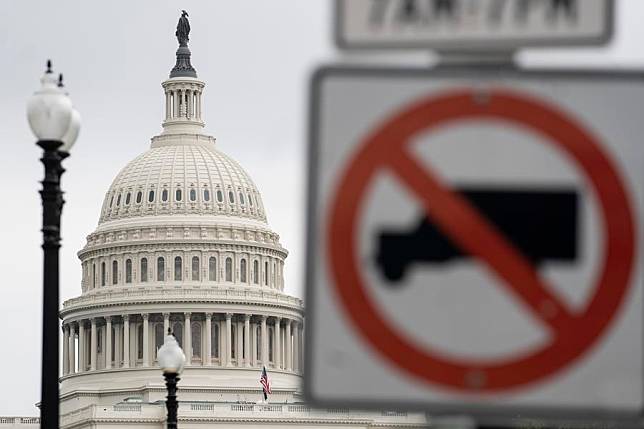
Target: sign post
x,y
473,242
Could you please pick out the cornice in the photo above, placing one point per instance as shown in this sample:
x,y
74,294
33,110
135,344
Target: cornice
x,y
170,245
206,296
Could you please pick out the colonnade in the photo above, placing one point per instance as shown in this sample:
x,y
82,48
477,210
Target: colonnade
x,y
183,103
208,339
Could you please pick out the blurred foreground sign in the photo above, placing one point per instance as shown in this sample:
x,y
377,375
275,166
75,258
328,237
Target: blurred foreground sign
x,y
489,25
474,242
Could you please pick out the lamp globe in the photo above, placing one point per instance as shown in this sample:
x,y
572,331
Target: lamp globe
x,y
49,110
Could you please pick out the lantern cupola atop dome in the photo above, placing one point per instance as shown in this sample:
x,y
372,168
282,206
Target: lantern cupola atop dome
x,y
183,90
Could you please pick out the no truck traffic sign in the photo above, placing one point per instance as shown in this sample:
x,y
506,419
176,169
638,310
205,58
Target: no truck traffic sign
x,y
473,242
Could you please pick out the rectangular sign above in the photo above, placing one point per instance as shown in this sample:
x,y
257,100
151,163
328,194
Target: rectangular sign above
x,y
474,243
485,25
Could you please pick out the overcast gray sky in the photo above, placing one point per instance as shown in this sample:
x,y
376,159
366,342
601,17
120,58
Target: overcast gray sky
x,y
256,57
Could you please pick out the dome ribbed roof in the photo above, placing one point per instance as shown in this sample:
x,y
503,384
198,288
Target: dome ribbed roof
x,y
182,179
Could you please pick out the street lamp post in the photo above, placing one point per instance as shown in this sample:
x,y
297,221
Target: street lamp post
x,y
55,123
171,360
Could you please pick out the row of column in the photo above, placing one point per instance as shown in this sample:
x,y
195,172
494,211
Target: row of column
x,y
189,107
240,340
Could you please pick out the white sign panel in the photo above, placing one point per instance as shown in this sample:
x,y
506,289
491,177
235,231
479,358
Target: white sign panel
x,y
488,25
475,242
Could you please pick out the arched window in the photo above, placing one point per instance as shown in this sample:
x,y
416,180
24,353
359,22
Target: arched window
x,y
270,344
212,269
233,342
177,330
241,198
128,271
127,199
139,197
258,343
144,270
206,195
118,200
214,341
139,341
177,195
242,270
160,269
177,268
159,337
256,272
195,268
220,196
229,269
99,340
265,273
151,197
196,339
102,273
250,200
112,201
93,276
193,195
164,195
231,197
115,272
274,274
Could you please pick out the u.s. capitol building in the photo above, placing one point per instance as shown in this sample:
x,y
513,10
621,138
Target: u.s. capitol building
x,y
183,242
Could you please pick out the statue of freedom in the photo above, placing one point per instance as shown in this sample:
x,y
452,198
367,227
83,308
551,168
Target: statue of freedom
x,y
183,29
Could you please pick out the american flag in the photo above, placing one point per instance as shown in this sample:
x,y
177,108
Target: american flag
x,y
265,384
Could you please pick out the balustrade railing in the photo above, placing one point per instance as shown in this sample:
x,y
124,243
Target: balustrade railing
x,y
17,421
235,410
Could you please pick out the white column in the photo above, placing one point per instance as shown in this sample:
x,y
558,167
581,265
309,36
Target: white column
x,y
182,109
65,349
198,105
72,348
301,339
264,353
228,337
247,340
276,342
81,346
208,339
175,108
92,362
167,105
117,344
166,324
146,340
296,347
108,342
126,341
187,338
289,348
239,331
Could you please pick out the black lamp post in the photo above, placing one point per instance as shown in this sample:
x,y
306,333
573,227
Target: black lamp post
x,y
55,123
171,359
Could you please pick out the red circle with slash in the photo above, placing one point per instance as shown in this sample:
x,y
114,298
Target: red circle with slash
x,y
571,333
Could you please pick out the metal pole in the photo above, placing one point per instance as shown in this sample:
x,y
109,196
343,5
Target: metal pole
x,y
52,202
171,380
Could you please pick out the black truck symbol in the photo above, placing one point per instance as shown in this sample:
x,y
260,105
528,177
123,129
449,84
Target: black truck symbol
x,y
542,224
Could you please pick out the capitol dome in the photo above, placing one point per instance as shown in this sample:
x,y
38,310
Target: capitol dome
x,y
183,176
